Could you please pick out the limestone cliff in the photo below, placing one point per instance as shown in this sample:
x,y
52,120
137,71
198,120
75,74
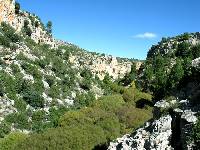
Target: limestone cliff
x,y
8,15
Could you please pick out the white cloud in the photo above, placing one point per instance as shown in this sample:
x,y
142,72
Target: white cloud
x,y
146,35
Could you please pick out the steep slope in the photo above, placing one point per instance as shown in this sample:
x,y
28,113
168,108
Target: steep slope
x,y
171,73
42,75
54,89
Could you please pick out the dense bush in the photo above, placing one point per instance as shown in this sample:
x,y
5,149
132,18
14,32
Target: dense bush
x,y
183,50
9,32
32,95
20,120
132,117
196,51
11,140
92,127
5,128
82,100
33,98
20,104
27,30
4,41
129,94
54,91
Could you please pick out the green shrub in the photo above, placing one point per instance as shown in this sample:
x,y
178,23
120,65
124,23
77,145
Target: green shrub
x,y
4,41
33,98
20,120
11,140
5,128
183,50
196,51
85,84
9,33
15,68
129,95
27,30
50,80
54,91
32,95
109,103
38,121
20,104
132,117
87,136
82,100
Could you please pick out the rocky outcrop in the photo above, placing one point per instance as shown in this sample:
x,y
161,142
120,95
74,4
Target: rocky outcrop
x,y
154,135
102,65
39,34
172,130
6,107
7,11
196,63
169,45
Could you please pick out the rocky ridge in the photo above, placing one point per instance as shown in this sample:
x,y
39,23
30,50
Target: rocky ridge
x,y
171,127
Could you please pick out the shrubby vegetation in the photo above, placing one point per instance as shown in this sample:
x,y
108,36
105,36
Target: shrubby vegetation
x,y
11,140
8,35
27,30
165,73
91,127
17,7
89,123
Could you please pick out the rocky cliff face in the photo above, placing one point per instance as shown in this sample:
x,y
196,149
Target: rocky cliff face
x,y
7,11
101,65
8,15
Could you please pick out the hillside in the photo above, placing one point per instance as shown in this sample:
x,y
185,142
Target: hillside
x,y
56,95
50,87
171,73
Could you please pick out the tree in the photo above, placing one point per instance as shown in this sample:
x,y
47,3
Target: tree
x,y
176,74
27,29
183,50
148,76
196,51
49,27
130,76
32,95
9,34
17,8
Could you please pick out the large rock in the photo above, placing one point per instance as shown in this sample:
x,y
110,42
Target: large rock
x,y
154,135
196,63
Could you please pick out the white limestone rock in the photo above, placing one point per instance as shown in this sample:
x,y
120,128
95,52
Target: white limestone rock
x,y
156,135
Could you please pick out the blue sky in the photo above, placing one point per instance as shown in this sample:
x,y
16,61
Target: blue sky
x,y
125,28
